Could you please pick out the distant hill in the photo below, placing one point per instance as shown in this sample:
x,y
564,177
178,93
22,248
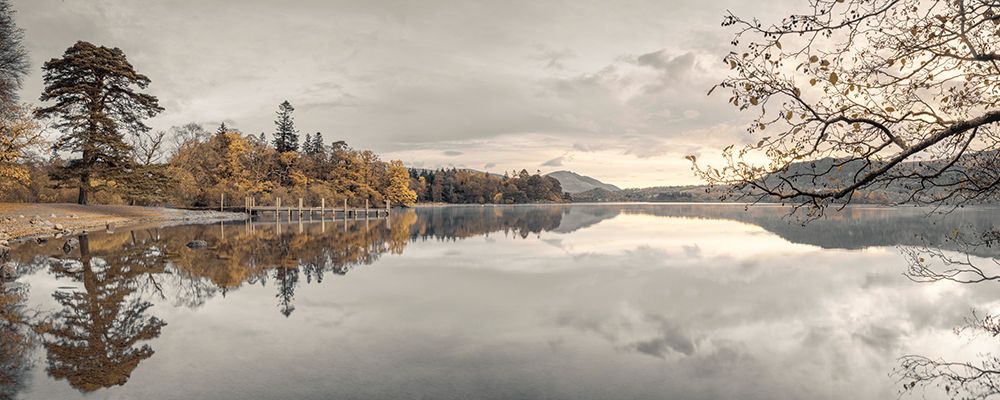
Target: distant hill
x,y
575,183
892,193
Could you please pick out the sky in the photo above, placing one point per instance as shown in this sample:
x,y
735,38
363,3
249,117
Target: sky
x,y
613,90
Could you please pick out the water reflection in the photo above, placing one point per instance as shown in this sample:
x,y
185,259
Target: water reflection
x,y
116,290
98,337
16,338
966,258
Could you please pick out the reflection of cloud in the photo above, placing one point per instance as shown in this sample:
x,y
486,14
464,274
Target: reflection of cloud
x,y
489,165
879,337
671,340
631,330
452,153
692,251
557,243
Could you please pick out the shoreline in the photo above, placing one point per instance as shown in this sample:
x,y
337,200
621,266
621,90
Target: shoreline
x,y
24,221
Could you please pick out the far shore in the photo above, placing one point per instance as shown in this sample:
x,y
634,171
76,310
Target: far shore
x,y
30,220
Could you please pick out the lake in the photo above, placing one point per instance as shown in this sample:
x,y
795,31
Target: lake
x,y
637,301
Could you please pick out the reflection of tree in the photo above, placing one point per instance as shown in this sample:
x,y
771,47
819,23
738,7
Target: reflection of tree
x,y
929,263
94,339
16,339
461,222
286,279
965,380
140,263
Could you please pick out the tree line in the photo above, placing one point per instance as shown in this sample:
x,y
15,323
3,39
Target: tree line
x,y
475,187
105,152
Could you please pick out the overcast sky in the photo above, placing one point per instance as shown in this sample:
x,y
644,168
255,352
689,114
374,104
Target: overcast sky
x,y
611,89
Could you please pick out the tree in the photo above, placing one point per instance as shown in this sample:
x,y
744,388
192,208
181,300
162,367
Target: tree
x,y
314,146
286,138
189,133
96,101
399,191
867,95
18,134
18,131
148,147
14,63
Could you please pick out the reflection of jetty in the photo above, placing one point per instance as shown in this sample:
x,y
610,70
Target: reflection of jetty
x,y
344,212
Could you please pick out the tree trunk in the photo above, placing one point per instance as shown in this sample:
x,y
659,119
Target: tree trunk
x,y
82,197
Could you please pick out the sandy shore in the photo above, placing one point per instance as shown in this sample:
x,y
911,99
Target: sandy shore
x,y
20,220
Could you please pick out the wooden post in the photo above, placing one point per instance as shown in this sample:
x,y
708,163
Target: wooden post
x,y
300,206
387,208
322,206
277,209
366,208
222,202
345,209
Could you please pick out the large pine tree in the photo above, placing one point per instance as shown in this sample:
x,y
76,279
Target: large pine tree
x,y
95,98
286,138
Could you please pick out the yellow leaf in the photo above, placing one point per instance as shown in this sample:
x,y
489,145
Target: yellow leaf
x,y
833,78
813,59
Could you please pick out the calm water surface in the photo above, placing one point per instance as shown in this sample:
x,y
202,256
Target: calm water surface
x,y
551,302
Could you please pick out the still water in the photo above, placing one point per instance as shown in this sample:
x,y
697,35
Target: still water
x,y
636,301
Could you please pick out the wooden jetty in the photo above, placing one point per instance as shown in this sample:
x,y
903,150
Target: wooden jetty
x,y
250,207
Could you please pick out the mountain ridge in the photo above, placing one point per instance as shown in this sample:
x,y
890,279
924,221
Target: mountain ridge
x,y
573,183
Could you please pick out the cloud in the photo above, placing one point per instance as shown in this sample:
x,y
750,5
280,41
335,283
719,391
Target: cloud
x,y
555,162
452,153
552,58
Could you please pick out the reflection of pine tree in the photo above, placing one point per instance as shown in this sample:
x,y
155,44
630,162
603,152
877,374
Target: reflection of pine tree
x,y
93,341
287,279
15,340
